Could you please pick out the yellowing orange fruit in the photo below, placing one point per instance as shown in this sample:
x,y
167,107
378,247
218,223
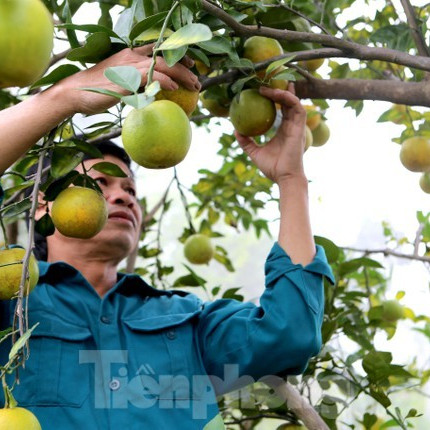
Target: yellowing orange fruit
x,y
18,419
259,48
313,117
183,97
415,154
11,271
79,212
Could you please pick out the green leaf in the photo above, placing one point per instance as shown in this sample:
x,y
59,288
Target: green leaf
x,y
146,24
59,185
278,63
356,263
127,77
187,35
87,148
138,101
45,226
16,208
152,89
8,192
198,54
172,56
64,160
21,342
103,91
285,75
89,28
188,281
124,24
109,169
56,75
394,36
96,48
181,16
232,294
219,45
331,250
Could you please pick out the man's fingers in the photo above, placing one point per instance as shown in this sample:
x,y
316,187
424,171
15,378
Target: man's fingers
x,y
179,73
247,144
144,50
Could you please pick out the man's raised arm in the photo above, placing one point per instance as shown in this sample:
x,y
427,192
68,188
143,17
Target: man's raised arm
x,y
22,125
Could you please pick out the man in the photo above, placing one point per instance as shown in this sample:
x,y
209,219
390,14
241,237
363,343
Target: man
x,y
110,350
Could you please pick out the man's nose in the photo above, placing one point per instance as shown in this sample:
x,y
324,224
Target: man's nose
x,y
119,196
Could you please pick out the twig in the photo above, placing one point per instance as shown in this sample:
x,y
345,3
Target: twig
x,y
415,31
418,238
389,252
60,56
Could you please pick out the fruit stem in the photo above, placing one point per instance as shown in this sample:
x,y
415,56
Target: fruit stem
x,y
158,43
6,242
9,401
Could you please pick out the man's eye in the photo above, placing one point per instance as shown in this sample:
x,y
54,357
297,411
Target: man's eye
x,y
101,181
132,191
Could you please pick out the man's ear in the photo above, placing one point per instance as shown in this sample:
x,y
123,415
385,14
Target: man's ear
x,y
42,206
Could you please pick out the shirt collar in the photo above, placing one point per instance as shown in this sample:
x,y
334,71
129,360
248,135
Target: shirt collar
x,y
126,282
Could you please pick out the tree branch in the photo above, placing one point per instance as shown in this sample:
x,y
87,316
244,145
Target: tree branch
x,y
390,252
415,31
356,50
408,93
298,404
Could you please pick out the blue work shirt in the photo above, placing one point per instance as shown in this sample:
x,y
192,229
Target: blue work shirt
x,y
146,358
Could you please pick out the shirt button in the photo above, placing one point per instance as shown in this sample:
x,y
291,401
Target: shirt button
x,y
114,384
171,334
105,320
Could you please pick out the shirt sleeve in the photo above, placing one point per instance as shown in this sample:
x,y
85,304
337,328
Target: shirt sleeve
x,y
280,335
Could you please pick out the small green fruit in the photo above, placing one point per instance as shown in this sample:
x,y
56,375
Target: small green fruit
x,y
198,249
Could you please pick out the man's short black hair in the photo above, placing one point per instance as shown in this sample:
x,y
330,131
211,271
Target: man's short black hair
x,y
106,147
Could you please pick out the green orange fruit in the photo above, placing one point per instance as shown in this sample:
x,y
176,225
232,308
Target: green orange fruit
x,y
157,136
26,41
425,182
79,212
198,249
251,113
392,311
11,272
321,134
312,65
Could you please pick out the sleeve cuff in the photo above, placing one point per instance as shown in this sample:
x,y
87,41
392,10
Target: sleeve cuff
x,y
279,263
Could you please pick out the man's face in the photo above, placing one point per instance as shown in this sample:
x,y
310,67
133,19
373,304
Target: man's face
x,y
125,215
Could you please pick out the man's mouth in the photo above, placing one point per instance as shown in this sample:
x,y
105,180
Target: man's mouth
x,y
122,216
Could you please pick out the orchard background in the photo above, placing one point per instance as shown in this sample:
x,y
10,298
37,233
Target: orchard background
x,y
371,373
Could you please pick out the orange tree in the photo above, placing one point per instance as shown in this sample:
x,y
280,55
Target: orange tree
x,y
380,56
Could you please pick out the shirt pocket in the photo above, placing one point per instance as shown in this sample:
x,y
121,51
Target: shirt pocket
x,y
163,356
52,375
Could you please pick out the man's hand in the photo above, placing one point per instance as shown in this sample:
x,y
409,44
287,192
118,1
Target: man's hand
x,y
282,157
89,103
